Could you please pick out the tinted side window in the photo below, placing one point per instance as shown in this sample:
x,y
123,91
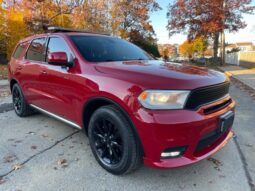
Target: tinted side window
x,y
58,45
18,51
36,50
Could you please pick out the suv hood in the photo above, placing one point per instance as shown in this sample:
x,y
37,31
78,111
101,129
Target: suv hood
x,y
156,74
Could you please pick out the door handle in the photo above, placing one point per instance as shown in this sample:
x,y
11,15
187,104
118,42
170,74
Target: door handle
x,y
43,72
19,68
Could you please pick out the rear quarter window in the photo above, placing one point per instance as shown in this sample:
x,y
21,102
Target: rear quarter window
x,y
36,50
19,50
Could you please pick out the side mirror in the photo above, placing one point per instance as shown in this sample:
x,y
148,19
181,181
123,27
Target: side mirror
x,y
58,59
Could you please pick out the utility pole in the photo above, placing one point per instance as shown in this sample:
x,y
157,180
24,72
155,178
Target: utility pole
x,y
223,35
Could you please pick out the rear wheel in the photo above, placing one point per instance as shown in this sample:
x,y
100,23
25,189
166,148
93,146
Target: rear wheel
x,y
20,105
113,142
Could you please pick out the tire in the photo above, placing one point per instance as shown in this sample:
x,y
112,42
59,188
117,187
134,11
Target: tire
x,y
20,105
113,141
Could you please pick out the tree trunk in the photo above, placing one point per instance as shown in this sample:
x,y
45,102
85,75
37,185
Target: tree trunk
x,y
215,45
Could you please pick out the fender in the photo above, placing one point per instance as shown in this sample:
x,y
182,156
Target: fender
x,y
98,101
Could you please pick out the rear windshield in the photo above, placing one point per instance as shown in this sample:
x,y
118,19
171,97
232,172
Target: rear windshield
x,y
103,49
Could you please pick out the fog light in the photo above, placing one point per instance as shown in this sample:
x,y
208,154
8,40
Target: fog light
x,y
170,154
173,152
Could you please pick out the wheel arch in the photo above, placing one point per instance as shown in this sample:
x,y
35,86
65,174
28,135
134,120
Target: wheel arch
x,y
95,103
12,82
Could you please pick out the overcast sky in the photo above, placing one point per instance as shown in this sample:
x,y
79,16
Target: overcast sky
x,y
159,22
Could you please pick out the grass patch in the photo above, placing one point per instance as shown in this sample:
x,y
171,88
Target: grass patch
x,y
3,72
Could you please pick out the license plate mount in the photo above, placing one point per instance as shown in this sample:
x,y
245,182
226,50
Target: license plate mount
x,y
226,121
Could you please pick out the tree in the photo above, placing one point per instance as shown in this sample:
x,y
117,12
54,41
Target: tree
x,y
12,26
148,43
41,13
191,47
125,18
2,28
207,18
135,25
199,46
165,53
186,49
168,50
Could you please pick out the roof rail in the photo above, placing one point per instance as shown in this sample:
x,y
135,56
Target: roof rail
x,y
55,29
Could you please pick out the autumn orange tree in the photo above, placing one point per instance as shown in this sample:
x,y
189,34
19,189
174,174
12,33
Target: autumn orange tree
x,y
135,25
167,50
2,28
12,27
191,47
207,18
186,49
125,18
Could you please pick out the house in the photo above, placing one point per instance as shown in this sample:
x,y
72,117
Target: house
x,y
242,46
245,46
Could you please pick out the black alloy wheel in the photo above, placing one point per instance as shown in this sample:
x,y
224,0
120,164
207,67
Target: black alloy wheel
x,y
108,142
21,107
113,141
17,100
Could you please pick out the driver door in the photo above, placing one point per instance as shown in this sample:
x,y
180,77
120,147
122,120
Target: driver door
x,y
58,83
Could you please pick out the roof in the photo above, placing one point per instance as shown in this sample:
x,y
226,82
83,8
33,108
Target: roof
x,y
244,44
231,46
237,44
62,31
54,29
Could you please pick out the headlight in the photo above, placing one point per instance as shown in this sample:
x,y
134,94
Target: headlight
x,y
163,99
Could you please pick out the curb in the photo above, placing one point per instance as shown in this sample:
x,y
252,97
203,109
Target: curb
x,y
236,80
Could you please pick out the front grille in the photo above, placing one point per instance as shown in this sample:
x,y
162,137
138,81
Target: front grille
x,y
217,107
205,95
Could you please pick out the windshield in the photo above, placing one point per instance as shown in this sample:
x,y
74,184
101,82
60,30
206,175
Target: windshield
x,y
103,49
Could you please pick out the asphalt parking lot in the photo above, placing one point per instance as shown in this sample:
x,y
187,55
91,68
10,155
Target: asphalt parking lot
x,y
40,153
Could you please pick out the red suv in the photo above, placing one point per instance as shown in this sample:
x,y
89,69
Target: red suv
x,y
134,109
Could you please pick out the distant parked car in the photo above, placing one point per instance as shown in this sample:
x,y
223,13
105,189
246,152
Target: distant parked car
x,y
133,108
201,61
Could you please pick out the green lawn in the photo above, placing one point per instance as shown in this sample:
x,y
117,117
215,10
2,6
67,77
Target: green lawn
x,y
3,71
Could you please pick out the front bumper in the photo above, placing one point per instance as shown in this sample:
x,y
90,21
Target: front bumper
x,y
159,130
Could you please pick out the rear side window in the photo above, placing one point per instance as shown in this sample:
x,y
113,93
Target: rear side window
x,y
18,51
36,50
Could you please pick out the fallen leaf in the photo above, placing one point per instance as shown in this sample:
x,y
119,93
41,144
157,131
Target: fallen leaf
x,y
45,136
63,163
17,167
10,158
248,145
31,133
216,162
33,147
2,181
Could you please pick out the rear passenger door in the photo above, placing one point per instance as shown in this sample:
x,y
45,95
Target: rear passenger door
x,y
33,67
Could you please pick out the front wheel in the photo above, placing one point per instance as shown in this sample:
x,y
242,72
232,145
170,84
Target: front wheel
x,y
113,142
